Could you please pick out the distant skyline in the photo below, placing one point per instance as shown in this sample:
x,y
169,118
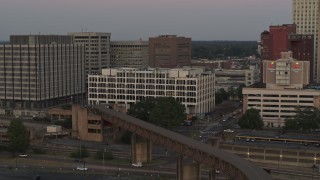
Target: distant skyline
x,y
135,19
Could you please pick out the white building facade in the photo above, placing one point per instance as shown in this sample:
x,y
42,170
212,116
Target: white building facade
x,y
192,87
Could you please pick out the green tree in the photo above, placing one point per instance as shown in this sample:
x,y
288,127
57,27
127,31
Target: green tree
x,y
239,91
251,119
221,95
107,155
80,152
18,136
167,112
162,111
305,119
232,92
142,109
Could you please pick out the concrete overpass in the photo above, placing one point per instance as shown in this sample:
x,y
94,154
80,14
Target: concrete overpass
x,y
231,165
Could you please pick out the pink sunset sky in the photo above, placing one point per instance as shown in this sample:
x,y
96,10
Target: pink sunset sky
x,y
135,19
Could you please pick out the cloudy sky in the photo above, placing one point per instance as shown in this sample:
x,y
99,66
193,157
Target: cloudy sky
x,y
135,19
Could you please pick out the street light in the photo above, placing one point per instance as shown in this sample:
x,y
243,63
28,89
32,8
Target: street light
x,y
80,148
280,158
104,150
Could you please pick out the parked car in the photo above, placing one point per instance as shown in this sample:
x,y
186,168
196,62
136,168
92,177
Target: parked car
x,y
138,164
228,130
80,168
23,155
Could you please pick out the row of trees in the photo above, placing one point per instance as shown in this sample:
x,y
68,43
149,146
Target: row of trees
x,y
232,93
162,111
223,49
306,119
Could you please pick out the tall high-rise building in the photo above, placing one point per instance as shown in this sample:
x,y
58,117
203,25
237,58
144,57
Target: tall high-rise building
x,y
169,51
36,76
97,49
305,15
129,54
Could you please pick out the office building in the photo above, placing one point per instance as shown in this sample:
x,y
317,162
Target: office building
x,y
41,39
36,76
283,38
168,51
305,15
97,52
302,49
193,87
226,78
129,54
275,41
285,80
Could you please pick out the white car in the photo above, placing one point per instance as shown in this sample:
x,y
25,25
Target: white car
x,y
80,168
138,164
228,130
23,155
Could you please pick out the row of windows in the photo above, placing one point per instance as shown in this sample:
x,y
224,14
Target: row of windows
x,y
134,98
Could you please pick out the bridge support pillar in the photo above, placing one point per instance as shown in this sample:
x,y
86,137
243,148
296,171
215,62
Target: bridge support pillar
x,y
179,168
140,151
133,148
187,171
215,141
212,174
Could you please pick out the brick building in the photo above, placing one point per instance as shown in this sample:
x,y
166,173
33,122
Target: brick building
x,y
167,51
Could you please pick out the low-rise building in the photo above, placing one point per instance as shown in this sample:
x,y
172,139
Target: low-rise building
x,y
234,78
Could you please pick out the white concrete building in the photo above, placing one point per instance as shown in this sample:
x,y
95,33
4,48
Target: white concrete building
x,y
193,87
285,79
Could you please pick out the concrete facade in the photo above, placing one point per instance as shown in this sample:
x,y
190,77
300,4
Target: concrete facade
x,y
40,75
193,87
129,54
234,78
97,49
305,14
41,39
285,79
286,73
168,51
275,105
86,125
